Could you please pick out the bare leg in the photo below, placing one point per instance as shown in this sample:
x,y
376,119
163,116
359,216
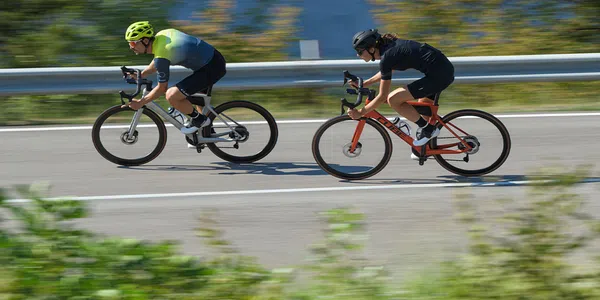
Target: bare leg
x,y
397,100
179,101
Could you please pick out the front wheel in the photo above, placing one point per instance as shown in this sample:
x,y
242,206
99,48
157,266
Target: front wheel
x,y
331,147
485,134
112,139
250,127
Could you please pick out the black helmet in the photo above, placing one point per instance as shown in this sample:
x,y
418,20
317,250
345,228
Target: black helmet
x,y
365,39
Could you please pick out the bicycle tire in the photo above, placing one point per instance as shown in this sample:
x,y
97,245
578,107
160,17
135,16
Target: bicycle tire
x,y
348,176
162,139
488,117
274,132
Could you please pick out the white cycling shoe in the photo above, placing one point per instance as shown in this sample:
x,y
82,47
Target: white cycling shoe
x,y
424,137
196,124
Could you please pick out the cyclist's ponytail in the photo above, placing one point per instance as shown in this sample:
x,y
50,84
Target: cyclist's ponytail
x,y
388,38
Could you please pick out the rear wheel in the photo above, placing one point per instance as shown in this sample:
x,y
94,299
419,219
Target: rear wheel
x,y
254,133
486,135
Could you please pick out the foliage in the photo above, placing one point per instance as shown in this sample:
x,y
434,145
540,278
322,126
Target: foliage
x,y
494,27
90,33
59,33
265,40
526,256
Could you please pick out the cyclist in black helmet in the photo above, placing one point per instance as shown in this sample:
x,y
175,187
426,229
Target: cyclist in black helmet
x,y
400,54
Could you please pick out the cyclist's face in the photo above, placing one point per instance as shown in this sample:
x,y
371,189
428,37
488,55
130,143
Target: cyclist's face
x,y
137,46
364,54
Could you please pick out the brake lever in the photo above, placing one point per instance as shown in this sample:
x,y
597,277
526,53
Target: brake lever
x,y
124,95
346,103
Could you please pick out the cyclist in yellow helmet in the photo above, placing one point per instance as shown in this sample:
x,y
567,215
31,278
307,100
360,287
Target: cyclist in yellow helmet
x,y
173,47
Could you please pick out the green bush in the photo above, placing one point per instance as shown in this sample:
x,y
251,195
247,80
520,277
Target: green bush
x,y
527,257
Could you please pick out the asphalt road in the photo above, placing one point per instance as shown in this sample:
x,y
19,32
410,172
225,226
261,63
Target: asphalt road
x,y
269,209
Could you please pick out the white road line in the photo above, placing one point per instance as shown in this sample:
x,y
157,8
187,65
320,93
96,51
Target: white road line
x,y
294,190
546,115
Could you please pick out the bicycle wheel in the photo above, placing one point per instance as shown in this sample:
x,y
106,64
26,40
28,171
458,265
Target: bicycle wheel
x,y
255,127
109,136
331,145
482,131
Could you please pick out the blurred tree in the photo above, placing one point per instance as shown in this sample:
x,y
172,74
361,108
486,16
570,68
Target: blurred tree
x,y
42,33
495,27
265,39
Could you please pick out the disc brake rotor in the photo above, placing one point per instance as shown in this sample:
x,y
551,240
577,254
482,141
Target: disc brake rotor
x,y
356,152
243,134
129,140
473,142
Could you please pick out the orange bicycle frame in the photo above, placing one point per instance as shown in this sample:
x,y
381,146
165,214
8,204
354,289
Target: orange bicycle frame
x,y
440,149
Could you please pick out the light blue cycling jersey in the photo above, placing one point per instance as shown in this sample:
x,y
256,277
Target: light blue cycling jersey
x,y
173,47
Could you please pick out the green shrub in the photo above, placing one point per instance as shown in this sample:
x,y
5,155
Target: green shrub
x,y
526,257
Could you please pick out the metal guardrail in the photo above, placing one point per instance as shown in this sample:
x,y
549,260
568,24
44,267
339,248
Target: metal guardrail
x,y
317,73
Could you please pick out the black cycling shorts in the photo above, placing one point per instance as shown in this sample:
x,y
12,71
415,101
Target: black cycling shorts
x,y
439,76
203,78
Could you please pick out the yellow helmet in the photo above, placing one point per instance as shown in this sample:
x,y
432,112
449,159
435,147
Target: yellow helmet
x,y
139,30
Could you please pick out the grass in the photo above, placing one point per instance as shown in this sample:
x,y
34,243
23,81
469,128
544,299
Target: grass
x,y
319,103
280,112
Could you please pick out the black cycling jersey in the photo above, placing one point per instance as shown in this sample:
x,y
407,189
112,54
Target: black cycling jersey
x,y
406,54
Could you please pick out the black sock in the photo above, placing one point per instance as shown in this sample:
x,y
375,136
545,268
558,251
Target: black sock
x,y
429,127
421,122
194,114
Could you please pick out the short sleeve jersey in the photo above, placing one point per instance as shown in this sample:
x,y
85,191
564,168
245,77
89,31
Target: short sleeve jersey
x,y
402,55
173,47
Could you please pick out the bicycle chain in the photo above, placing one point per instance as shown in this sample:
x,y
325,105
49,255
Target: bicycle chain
x,y
451,137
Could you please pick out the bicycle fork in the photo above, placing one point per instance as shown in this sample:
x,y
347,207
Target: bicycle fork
x,y
130,134
357,132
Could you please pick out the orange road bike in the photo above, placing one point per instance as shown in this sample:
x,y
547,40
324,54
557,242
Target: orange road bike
x,y
471,142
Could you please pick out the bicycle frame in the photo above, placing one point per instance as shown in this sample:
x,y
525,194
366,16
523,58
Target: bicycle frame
x,y
440,149
153,106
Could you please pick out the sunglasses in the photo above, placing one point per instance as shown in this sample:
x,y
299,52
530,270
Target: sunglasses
x,y
360,51
132,44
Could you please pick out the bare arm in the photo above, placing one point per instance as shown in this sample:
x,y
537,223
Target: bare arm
x,y
384,91
150,69
156,92
375,78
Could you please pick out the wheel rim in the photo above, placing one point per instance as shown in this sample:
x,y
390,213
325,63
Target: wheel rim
x,y
256,132
110,138
332,143
489,139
